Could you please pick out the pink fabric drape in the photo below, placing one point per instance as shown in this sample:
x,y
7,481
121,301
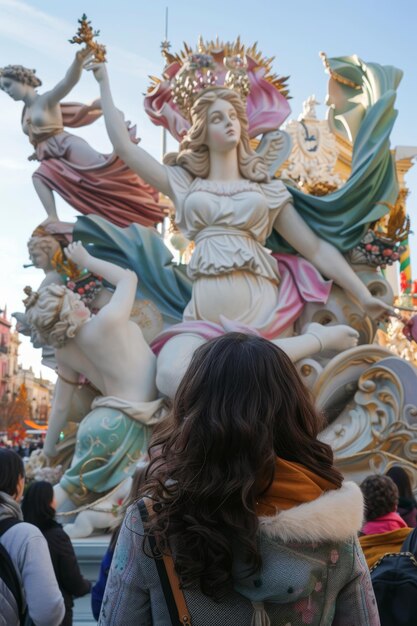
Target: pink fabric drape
x,y
76,114
300,283
106,187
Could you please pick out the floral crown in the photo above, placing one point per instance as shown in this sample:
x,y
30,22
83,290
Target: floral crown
x,y
211,65
385,240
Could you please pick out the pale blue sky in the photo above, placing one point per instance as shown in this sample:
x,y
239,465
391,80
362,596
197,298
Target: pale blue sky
x,y
36,34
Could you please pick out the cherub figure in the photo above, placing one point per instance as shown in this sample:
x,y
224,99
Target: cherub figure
x,y
110,351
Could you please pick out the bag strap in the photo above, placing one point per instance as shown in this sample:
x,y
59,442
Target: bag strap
x,y
15,588
176,603
410,543
7,523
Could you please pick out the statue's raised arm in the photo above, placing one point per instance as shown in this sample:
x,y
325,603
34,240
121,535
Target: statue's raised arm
x,y
134,156
54,96
91,182
119,307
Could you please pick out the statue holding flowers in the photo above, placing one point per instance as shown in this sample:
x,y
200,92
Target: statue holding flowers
x,y
91,182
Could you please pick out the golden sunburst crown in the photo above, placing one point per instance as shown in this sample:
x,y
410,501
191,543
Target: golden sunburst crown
x,y
197,69
216,65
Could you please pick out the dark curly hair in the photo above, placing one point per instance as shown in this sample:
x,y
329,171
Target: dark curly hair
x,y
402,479
240,404
37,504
11,469
381,496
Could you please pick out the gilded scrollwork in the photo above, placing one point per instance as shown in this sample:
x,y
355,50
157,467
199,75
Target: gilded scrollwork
x,y
377,426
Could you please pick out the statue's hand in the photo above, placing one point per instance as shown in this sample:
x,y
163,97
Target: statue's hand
x,y
76,253
51,219
22,326
83,56
49,450
377,309
99,70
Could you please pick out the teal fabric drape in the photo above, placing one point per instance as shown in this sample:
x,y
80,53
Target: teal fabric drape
x,y
142,250
342,217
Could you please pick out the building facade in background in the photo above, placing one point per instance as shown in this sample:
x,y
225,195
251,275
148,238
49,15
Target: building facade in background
x,y
25,399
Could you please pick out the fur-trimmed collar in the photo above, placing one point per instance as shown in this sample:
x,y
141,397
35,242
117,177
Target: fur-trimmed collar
x,y
335,516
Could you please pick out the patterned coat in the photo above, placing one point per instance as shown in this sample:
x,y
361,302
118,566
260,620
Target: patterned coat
x,y
313,573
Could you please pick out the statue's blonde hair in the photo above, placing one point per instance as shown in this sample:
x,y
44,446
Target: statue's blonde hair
x,y
194,153
48,315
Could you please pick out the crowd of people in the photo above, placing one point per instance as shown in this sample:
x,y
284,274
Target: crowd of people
x,y
25,447
238,517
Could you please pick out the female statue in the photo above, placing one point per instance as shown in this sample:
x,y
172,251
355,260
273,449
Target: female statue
x,y
110,351
89,181
226,203
361,99
43,247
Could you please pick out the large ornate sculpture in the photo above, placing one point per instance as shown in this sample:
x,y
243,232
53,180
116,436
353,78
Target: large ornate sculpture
x,y
221,101
225,201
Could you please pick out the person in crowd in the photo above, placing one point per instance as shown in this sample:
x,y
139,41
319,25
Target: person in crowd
x,y
261,527
384,529
38,508
98,588
97,591
407,505
27,550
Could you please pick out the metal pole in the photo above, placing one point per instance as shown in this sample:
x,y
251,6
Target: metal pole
x,y
165,46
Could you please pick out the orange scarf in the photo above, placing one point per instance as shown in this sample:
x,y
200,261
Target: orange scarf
x,y
375,546
293,484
